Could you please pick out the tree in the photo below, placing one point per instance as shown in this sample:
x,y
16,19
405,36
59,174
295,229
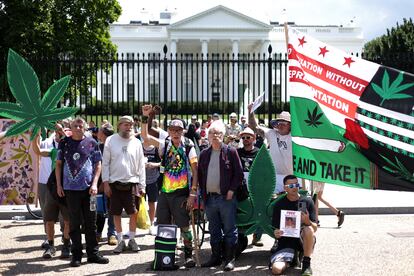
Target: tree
x,y
57,28
394,48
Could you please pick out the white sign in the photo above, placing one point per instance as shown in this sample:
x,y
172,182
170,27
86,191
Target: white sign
x,y
290,223
257,102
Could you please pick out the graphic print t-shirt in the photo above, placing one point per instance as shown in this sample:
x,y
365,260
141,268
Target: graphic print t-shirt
x,y
79,161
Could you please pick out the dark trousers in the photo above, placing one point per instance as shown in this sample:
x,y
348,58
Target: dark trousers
x,y
79,214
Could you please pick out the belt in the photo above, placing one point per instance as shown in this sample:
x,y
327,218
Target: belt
x,y
213,194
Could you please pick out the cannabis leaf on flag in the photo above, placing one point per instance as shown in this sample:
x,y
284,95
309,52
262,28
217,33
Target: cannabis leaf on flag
x,y
352,120
30,110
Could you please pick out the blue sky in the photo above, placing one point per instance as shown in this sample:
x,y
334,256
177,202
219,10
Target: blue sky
x,y
373,16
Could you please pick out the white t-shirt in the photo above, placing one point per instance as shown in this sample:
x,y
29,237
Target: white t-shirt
x,y
123,160
46,162
280,147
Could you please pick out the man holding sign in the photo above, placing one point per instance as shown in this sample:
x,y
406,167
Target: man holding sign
x,y
288,246
279,139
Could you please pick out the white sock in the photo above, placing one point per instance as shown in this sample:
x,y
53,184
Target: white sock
x,y
131,235
119,236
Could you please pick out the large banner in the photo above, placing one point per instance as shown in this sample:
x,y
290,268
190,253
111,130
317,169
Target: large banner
x,y
352,120
18,168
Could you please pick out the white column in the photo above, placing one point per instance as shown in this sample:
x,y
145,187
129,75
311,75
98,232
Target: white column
x,y
235,83
173,51
204,51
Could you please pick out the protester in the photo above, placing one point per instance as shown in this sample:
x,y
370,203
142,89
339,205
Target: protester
x,y
220,174
243,122
288,247
233,129
152,172
280,144
179,166
247,154
52,210
104,132
123,176
318,192
81,161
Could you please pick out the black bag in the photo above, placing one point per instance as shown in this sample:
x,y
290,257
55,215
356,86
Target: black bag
x,y
242,192
164,254
51,186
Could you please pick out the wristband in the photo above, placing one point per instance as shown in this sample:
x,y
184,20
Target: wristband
x,y
144,119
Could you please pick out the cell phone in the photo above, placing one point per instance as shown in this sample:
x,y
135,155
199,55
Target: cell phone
x,y
302,206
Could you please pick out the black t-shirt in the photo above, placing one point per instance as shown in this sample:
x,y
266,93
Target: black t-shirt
x,y
247,157
286,204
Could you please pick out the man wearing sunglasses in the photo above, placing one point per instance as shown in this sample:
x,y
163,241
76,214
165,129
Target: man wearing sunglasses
x,y
279,140
288,249
247,154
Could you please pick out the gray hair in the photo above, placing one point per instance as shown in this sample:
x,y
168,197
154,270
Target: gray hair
x,y
80,119
219,126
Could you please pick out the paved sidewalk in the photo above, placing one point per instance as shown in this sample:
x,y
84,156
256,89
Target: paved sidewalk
x,y
352,201
362,246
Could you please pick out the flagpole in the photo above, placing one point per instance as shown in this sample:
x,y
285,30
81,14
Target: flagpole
x,y
285,25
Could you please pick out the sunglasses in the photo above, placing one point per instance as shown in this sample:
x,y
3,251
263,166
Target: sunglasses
x,y
293,185
246,137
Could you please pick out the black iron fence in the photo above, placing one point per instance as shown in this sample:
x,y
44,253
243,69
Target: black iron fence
x,y
183,84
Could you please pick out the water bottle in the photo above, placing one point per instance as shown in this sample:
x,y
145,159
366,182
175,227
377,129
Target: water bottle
x,y
92,203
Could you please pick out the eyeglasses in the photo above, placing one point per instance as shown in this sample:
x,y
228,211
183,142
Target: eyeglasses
x,y
246,137
215,133
293,185
282,123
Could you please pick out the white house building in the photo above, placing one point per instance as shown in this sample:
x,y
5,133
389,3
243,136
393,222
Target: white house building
x,y
219,30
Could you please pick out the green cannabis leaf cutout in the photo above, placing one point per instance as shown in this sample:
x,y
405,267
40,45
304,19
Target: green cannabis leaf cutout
x,y
313,119
30,110
391,92
398,168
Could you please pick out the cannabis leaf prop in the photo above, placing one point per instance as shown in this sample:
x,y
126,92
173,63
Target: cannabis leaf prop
x,y
30,110
398,168
313,119
390,92
254,212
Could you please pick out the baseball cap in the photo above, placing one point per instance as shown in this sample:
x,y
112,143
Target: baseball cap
x,y
125,119
216,115
194,117
233,115
177,123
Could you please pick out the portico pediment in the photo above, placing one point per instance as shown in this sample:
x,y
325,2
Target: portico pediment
x,y
220,18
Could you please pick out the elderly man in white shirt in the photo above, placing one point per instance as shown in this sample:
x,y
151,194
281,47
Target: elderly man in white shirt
x,y
123,176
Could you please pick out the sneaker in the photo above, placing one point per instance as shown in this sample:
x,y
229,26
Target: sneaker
x,y
133,246
153,230
49,252
75,262
256,241
307,272
112,240
120,247
45,244
189,263
98,238
65,251
341,217
98,259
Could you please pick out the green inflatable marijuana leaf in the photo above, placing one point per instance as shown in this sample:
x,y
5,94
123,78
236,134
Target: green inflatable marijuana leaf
x,y
31,111
254,212
390,92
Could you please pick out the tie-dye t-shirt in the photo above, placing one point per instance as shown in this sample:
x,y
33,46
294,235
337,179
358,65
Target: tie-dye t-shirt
x,y
177,169
79,161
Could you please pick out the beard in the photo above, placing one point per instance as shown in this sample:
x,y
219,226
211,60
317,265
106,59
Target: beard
x,y
125,134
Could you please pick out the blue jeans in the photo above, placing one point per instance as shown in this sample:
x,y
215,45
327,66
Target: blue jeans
x,y
111,226
221,215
